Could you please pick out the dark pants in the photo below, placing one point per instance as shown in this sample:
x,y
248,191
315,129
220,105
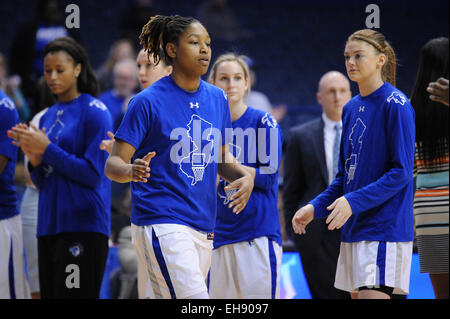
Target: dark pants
x,y
71,265
319,252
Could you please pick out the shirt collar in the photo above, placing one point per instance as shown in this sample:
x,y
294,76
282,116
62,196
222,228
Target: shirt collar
x,y
329,124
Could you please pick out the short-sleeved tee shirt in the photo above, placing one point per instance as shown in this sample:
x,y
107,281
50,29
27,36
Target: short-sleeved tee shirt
x,y
186,130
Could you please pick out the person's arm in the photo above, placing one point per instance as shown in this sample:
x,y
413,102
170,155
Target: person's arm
x,y
294,182
238,177
86,169
333,191
400,143
119,169
266,174
106,145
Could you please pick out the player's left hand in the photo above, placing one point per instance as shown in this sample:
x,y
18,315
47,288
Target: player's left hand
x,y
341,212
239,200
106,145
34,141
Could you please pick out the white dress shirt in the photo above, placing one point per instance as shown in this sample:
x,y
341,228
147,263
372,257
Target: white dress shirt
x,y
329,134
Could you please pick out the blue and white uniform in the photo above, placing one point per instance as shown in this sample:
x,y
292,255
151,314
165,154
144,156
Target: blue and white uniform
x,y
376,177
74,193
175,210
114,103
247,246
13,282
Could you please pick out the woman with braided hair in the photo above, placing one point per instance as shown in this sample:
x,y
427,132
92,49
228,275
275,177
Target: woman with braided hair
x,y
178,124
371,196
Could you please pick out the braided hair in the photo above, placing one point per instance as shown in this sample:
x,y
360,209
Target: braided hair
x,y
161,30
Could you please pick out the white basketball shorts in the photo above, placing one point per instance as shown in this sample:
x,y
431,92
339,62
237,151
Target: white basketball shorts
x,y
374,263
13,281
175,258
248,270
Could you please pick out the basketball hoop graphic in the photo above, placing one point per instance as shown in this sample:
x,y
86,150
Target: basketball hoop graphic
x,y
198,166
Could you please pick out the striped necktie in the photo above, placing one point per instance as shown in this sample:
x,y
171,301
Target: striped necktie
x,y
337,142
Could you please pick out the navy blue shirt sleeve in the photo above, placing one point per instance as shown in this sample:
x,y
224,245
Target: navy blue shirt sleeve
x,y
270,150
400,139
88,169
8,118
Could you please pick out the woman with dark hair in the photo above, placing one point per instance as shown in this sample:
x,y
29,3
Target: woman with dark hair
x,y
174,211
67,166
431,167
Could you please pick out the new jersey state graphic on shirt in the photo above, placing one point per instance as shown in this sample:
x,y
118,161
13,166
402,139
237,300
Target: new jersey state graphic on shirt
x,y
186,130
375,168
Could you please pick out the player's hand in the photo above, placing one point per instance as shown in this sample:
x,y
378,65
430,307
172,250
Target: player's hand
x,y
439,91
35,140
341,212
140,169
33,143
302,218
244,186
106,145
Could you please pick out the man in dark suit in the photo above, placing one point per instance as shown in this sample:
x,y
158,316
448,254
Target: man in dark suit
x,y
310,166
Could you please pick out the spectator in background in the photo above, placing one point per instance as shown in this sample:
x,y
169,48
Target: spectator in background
x,y
124,84
259,100
25,56
431,211
310,166
11,87
122,49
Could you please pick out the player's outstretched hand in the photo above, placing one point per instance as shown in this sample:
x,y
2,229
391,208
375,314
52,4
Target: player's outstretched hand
x,y
140,169
106,145
244,186
302,218
341,212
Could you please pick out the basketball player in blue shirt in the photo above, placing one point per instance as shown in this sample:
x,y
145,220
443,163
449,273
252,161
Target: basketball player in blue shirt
x,y
67,166
371,196
180,124
13,281
246,260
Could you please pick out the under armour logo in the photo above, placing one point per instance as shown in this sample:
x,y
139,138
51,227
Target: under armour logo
x,y
361,108
192,105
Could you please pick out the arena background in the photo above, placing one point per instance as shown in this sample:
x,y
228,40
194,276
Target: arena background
x,y
291,42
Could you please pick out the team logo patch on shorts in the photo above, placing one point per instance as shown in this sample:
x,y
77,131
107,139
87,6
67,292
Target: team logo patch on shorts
x,y
210,236
76,249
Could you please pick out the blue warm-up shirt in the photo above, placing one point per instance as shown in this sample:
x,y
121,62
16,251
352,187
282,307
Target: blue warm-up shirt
x,y
257,142
375,168
8,118
114,103
74,193
186,130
